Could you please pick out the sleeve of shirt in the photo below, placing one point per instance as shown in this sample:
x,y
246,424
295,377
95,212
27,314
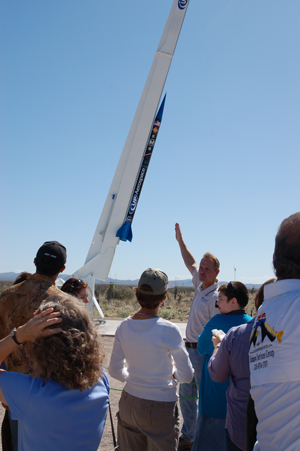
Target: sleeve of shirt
x,y
195,278
106,382
205,345
184,370
218,365
117,368
16,388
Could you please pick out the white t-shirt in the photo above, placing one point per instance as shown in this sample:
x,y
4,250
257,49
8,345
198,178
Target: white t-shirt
x,y
145,355
275,367
202,308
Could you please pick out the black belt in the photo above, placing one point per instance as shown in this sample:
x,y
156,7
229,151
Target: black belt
x,y
190,345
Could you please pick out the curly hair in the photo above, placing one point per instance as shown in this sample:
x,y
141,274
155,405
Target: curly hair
x,y
72,357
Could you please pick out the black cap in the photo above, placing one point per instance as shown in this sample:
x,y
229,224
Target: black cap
x,y
51,257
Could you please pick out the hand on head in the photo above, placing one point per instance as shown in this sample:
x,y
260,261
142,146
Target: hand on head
x,y
36,327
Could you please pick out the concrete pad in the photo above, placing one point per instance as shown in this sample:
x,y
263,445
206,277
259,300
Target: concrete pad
x,y
109,328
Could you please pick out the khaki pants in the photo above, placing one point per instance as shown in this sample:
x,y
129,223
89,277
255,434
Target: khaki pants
x,y
145,425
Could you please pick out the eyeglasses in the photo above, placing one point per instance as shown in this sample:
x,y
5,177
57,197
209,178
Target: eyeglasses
x,y
76,283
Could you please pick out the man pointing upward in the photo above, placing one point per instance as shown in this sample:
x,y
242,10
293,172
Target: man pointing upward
x,y
202,309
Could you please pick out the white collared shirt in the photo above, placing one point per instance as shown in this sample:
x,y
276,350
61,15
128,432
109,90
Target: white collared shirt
x,y
202,308
275,367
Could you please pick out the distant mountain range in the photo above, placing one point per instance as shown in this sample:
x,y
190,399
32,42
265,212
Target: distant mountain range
x,y
172,283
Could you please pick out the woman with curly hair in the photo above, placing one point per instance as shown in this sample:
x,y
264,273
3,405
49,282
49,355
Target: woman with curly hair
x,y
62,405
78,288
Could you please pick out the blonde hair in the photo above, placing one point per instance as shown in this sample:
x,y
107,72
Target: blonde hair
x,y
210,256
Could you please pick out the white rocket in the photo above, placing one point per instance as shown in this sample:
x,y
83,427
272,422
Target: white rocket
x,y
102,249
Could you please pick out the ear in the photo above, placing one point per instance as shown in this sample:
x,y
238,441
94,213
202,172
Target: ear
x,y
63,268
34,261
234,301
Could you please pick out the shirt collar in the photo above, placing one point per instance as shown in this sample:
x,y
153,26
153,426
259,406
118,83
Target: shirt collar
x,y
236,312
209,289
279,287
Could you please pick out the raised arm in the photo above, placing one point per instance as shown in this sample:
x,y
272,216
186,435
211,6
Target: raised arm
x,y
188,259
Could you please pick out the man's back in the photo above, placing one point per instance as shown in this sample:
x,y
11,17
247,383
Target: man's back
x,y
275,367
17,305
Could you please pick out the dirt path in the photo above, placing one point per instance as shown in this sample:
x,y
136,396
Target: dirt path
x,y
107,440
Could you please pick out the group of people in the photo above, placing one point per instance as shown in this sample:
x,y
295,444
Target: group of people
x,y
54,384
238,376
249,379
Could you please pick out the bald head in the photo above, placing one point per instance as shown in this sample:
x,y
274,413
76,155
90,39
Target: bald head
x,y
286,260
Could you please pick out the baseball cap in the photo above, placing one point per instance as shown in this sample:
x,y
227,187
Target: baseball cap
x,y
51,257
156,279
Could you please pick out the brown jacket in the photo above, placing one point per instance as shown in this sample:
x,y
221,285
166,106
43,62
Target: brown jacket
x,y
17,304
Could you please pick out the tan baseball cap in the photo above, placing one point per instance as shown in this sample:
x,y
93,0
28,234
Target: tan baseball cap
x,y
156,279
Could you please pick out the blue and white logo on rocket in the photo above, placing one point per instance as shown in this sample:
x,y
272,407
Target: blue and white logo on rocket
x,y
182,4
133,204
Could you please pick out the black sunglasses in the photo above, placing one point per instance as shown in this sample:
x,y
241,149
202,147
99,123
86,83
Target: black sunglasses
x,y
230,286
76,283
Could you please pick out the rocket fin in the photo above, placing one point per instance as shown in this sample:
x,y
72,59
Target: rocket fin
x,y
125,232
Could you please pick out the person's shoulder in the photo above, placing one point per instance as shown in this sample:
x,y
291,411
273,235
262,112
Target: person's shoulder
x,y
9,290
124,324
247,318
212,292
19,379
215,321
241,329
172,327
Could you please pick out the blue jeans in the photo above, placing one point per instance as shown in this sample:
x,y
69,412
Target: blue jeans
x,y
189,407
210,434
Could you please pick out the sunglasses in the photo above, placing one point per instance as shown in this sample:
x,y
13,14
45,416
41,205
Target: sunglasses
x,y
230,286
76,283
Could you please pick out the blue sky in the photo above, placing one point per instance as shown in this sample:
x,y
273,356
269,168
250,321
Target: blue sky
x,y
226,161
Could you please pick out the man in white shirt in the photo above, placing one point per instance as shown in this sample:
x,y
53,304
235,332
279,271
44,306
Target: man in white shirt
x,y
202,310
274,348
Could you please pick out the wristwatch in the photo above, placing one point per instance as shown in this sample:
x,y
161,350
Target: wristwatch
x,y
13,336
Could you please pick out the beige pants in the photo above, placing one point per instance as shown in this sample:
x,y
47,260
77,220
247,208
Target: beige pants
x,y
145,425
